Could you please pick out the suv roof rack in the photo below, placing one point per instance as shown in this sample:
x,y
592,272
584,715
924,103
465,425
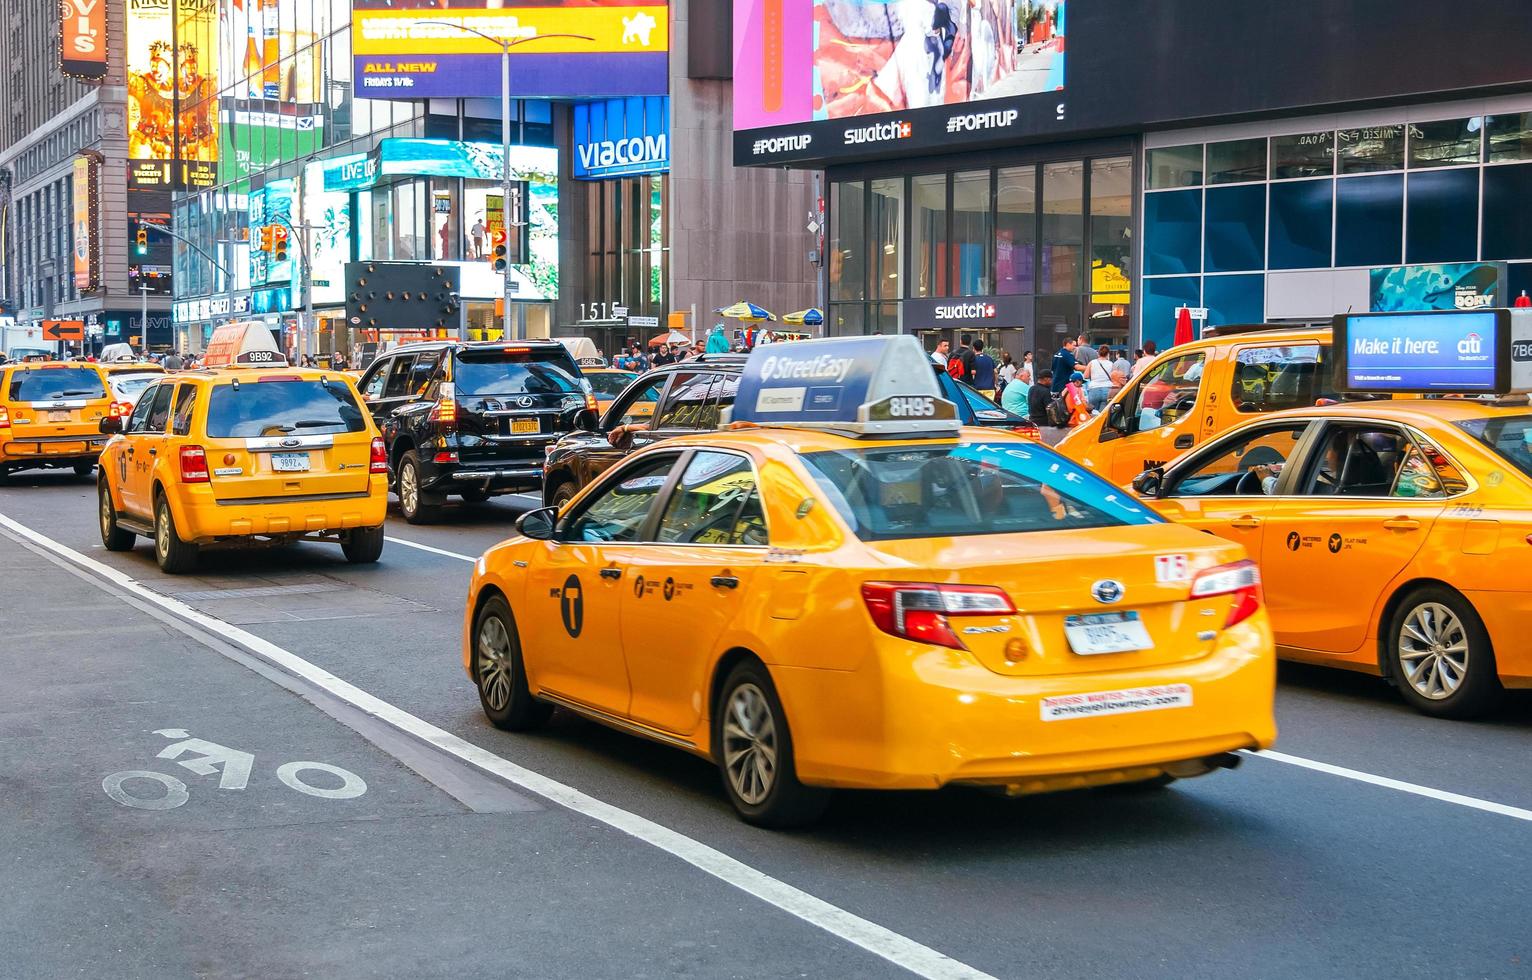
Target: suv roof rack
x,y
1230,329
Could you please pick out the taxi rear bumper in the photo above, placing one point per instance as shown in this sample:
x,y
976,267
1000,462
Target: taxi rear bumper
x,y
202,518
932,716
53,450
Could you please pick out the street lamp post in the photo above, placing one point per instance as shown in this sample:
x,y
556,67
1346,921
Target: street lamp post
x,y
508,322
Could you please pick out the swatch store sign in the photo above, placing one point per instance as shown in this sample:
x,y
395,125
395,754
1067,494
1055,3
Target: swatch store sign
x,y
986,313
622,137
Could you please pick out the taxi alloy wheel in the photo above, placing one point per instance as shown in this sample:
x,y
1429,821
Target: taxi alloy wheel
x,y
414,502
499,674
113,537
754,750
1441,656
173,555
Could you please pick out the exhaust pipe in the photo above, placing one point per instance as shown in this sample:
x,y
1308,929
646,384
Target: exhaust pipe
x,y
1201,767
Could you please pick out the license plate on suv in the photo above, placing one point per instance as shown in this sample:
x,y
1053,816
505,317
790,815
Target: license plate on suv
x,y
290,462
524,427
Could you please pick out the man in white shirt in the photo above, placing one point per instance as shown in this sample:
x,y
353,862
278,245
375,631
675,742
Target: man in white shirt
x,y
1150,351
940,354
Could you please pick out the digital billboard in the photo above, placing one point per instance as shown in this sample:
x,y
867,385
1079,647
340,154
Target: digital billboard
x,y
328,215
172,73
82,38
814,75
1423,352
412,49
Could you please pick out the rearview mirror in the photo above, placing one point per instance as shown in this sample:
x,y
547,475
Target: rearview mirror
x,y
540,524
110,425
1147,483
586,421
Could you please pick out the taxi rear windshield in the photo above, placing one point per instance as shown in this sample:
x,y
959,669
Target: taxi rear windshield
x,y
276,408
515,372
960,489
1510,436
55,384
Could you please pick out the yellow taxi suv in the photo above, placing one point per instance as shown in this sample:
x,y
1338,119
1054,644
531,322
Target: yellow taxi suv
x,y
1390,534
49,416
247,451
844,588
1193,392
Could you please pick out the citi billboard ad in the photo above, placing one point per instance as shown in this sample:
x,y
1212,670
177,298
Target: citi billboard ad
x,y
621,137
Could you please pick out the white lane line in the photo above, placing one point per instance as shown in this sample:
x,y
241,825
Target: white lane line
x,y
426,547
896,948
1473,803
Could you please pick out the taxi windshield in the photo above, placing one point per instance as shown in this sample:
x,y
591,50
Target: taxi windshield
x,y
1510,436
958,489
273,408
53,384
513,372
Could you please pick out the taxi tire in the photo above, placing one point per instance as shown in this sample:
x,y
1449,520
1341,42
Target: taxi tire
x,y
789,803
1480,691
84,470
113,537
363,545
176,557
425,508
522,712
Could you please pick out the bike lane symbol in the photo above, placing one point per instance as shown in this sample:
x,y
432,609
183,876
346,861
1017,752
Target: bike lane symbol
x,y
233,767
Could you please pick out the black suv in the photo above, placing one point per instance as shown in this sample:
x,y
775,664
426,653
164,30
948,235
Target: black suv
x,y
689,397
471,419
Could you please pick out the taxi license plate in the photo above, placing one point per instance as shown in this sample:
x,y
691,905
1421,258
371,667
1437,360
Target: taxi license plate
x,y
1106,633
521,427
59,416
290,462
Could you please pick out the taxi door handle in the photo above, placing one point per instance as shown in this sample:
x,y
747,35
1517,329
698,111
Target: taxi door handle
x,y
1185,442
612,573
725,581
1402,524
1246,521
154,452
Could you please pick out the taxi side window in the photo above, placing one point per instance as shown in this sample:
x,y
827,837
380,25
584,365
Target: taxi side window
x,y
687,404
1268,379
186,402
716,501
1248,465
621,509
1165,393
399,377
372,389
159,411
138,421
638,407
1370,461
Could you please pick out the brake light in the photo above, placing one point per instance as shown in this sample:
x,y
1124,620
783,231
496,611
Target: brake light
x,y
1240,579
193,465
379,456
445,456
445,409
920,611
5,419
121,410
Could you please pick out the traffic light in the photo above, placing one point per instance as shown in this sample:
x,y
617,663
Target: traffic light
x,y
499,258
266,238
141,238
279,243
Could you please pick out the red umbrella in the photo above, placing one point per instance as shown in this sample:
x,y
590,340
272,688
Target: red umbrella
x,y
1523,301
1184,332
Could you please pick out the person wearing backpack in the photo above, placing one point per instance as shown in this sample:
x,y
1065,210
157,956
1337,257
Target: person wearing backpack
x,y
1043,407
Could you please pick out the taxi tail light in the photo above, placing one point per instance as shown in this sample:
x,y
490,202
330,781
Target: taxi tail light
x,y
1240,579
193,465
920,611
121,410
5,419
379,456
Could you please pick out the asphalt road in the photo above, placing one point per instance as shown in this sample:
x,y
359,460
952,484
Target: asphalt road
x,y
1410,859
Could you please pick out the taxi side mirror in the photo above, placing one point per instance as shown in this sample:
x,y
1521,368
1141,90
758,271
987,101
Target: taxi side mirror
x,y
110,425
586,421
1114,417
540,524
1147,483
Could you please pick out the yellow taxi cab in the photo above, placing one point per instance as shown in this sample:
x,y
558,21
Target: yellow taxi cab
x,y
1194,391
607,383
844,588
244,451
1389,533
49,414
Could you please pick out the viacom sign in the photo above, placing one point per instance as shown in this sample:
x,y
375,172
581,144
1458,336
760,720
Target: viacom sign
x,y
620,137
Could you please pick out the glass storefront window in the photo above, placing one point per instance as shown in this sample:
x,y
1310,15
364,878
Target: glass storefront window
x,y
1234,238
887,213
1369,220
971,235
1368,150
1509,137
1445,142
1063,236
1303,155
1507,230
1174,166
1058,317
1172,232
1234,161
1443,217
928,215
1015,230
1111,225
1298,235
848,245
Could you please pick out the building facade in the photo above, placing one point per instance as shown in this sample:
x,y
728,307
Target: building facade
x,y
1037,169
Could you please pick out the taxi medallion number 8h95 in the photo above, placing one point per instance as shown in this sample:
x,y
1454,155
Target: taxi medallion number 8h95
x,y
246,451
842,588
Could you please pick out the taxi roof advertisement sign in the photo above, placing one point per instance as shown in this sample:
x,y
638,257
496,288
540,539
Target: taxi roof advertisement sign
x,y
1462,352
413,49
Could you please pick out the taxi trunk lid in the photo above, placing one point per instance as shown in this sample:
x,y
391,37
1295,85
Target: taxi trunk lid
x,y
55,402
1139,578
284,438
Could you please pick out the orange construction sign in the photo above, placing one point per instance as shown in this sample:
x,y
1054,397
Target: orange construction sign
x,y
63,329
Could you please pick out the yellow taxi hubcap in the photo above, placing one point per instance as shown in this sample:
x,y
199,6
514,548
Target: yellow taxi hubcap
x,y
750,744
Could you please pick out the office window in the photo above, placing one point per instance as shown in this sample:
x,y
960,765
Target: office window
x,y
848,247
1172,232
1303,155
1236,229
1509,137
1444,142
1234,161
928,216
1162,297
1508,212
1174,166
1368,150
1234,299
1369,220
1300,226
1443,217
1015,230
1063,231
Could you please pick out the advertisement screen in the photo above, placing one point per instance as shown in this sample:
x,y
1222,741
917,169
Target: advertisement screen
x,y
172,75
82,38
1423,352
1454,286
330,242
272,205
412,49
83,248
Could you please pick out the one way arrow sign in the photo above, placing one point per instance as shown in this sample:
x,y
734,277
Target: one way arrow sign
x,y
63,329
